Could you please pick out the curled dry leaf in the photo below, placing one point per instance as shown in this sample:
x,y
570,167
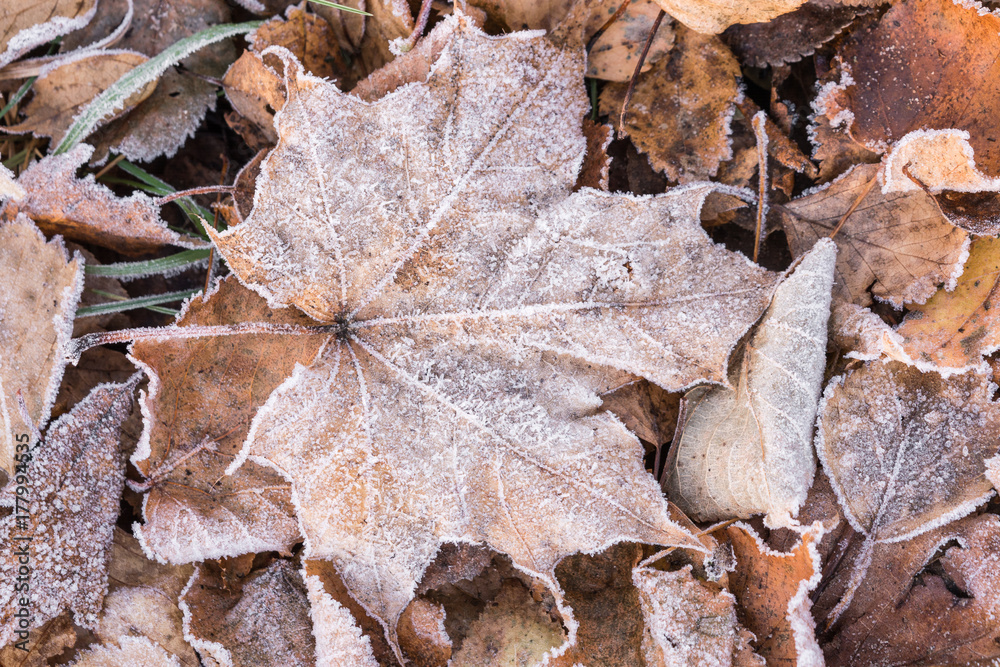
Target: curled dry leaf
x,y
596,162
423,639
62,92
259,621
929,64
129,652
898,245
687,623
787,38
747,448
25,25
339,642
935,601
66,517
309,37
711,17
772,589
202,396
681,109
36,322
905,451
142,600
255,91
487,325
84,210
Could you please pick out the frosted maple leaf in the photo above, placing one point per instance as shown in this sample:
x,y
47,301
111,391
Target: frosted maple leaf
x,y
474,310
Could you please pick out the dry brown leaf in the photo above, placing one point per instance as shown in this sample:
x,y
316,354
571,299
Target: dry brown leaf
x,y
925,65
596,162
201,399
514,629
259,621
131,652
526,14
681,110
935,601
646,410
25,25
170,116
772,589
898,246
72,483
434,326
687,623
46,642
787,38
37,308
606,606
711,17
255,91
84,210
422,635
954,330
779,145
390,20
62,92
307,36
748,449
905,451
142,600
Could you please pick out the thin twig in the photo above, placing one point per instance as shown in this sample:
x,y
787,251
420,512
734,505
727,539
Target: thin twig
x,y
204,190
760,132
638,69
109,166
854,206
607,24
418,29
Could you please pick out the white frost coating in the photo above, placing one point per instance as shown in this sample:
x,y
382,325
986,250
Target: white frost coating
x,y
905,452
824,97
62,323
131,651
748,449
41,33
114,35
253,6
977,7
8,186
993,471
142,451
799,614
141,538
339,640
938,160
82,54
212,649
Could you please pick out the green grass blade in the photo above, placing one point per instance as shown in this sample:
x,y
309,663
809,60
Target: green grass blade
x,y
16,97
149,267
130,304
343,8
113,98
160,188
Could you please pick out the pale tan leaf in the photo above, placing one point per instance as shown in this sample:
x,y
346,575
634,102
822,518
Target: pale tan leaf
x,y
905,452
339,641
131,652
713,16
198,409
423,639
682,108
513,629
748,449
898,245
8,186
143,600
686,622
84,210
36,322
25,25
259,621
62,91
72,483
935,160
